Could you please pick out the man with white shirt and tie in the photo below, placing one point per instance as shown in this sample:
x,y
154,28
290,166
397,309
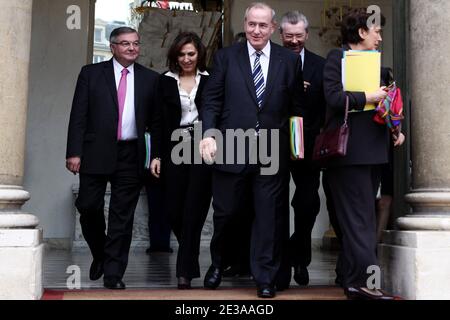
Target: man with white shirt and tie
x,y
254,85
113,106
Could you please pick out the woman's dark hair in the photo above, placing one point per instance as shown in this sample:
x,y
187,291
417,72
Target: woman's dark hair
x,y
352,22
175,49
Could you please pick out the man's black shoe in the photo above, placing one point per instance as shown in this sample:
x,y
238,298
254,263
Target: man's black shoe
x,y
266,291
96,270
281,287
301,275
113,283
212,278
338,281
184,283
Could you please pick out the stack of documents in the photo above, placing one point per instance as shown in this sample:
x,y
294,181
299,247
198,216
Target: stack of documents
x,y
147,151
297,140
361,72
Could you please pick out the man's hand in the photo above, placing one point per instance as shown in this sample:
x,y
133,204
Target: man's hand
x,y
155,167
73,164
306,84
208,149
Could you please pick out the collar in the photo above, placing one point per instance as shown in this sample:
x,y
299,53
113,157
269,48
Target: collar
x,y
302,53
265,50
119,67
176,76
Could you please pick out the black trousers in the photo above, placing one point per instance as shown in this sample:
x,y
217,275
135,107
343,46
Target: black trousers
x,y
306,204
126,184
333,221
237,244
188,198
158,221
354,190
271,203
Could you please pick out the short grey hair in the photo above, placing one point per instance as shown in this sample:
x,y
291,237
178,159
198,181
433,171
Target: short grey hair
x,y
259,5
293,17
119,31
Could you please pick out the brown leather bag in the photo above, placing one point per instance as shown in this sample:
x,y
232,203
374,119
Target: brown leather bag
x,y
332,143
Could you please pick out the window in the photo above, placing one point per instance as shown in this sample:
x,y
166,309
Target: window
x,y
98,35
98,58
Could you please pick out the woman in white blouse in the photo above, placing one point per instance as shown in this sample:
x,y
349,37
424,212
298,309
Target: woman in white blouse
x,y
187,180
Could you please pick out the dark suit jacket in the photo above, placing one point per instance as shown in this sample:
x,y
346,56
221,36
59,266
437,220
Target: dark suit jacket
x,y
315,105
229,98
170,108
94,117
368,141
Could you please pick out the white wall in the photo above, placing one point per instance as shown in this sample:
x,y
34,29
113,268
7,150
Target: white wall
x,y
57,55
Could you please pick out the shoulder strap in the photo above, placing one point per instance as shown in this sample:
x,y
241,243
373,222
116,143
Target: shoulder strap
x,y
347,106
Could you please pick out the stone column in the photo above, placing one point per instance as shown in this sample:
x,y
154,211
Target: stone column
x,y
21,245
417,259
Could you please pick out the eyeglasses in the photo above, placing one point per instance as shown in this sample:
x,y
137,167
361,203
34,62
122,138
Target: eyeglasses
x,y
289,36
127,44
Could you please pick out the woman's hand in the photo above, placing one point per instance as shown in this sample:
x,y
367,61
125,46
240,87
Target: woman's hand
x,y
208,149
398,139
155,167
376,96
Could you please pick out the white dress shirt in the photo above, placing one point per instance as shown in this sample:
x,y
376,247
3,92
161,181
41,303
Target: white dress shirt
x,y
302,55
189,111
264,58
129,131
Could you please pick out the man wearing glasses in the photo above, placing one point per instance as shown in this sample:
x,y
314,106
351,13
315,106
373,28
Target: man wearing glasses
x,y
112,108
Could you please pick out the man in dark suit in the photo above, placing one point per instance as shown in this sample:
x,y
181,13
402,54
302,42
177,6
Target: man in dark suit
x,y
306,175
112,108
254,86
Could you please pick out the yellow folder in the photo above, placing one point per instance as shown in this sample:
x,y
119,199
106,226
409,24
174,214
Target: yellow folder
x,y
361,71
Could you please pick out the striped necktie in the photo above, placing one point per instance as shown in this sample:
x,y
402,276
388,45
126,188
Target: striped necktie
x,y
258,79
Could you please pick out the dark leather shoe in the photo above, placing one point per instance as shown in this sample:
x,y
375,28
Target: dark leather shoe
x,y
113,284
266,291
184,283
281,287
338,281
212,278
96,270
353,293
301,275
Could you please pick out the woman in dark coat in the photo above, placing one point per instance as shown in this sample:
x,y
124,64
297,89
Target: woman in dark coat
x,y
186,179
354,178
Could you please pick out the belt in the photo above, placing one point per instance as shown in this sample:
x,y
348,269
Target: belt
x,y
188,128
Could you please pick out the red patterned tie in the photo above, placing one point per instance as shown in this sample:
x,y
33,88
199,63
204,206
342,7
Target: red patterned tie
x,y
121,94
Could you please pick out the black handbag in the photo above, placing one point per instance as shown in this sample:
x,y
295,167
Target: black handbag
x,y
332,143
